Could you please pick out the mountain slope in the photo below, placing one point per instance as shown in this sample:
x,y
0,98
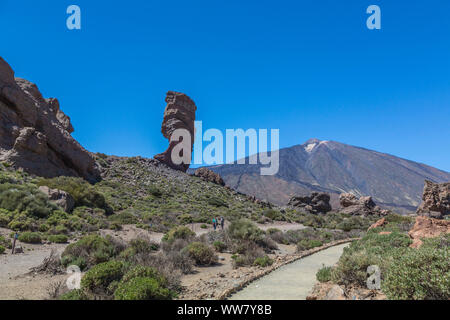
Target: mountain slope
x,y
335,168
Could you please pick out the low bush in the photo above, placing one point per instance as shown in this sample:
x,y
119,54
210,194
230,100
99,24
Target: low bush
x,y
178,233
2,249
99,277
92,249
308,244
201,253
244,229
141,288
419,274
30,237
263,261
324,274
59,238
219,246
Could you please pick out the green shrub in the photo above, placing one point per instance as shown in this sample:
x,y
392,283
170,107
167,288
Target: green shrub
x,y
154,191
83,193
59,238
219,246
201,253
263,261
141,288
217,202
178,233
185,218
272,214
2,249
76,294
99,277
419,274
26,199
93,249
308,244
244,229
324,274
30,237
124,218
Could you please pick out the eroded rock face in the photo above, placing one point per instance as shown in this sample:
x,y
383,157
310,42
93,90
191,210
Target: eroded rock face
x,y
179,114
436,200
59,197
426,227
353,205
35,133
317,202
209,175
377,224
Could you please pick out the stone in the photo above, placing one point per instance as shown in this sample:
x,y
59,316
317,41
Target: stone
x,y
317,202
335,293
426,227
35,135
209,175
59,197
365,205
377,224
436,200
179,114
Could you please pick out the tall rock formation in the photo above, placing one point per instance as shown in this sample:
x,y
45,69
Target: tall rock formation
x,y
36,135
179,114
436,199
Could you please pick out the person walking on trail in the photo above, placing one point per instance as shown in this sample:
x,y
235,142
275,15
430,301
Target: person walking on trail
x,y
214,222
222,222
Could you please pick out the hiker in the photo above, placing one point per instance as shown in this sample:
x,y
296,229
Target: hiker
x,y
214,222
222,222
16,236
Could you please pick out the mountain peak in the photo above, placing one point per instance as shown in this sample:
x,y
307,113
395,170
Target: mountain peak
x,y
313,143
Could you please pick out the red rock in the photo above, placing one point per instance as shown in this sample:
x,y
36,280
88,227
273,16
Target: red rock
x,y
179,114
426,227
377,224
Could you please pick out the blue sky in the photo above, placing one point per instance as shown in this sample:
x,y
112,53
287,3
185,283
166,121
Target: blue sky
x,y
310,68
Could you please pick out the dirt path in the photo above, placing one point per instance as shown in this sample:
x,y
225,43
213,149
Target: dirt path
x,y
293,281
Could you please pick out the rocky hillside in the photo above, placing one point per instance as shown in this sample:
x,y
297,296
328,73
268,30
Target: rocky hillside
x,y
334,167
35,134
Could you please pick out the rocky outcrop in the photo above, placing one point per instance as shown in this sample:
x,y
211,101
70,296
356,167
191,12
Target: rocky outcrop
x,y
209,176
179,114
426,227
35,134
359,206
436,200
59,197
317,202
378,224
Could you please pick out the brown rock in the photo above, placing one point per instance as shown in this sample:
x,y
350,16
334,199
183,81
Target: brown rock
x,y
377,224
436,199
426,227
317,202
335,293
179,114
35,133
59,197
353,205
209,175
384,233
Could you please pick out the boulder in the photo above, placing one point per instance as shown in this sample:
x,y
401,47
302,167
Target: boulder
x,y
426,227
18,249
209,176
353,205
317,202
377,224
436,200
35,134
335,293
179,114
59,197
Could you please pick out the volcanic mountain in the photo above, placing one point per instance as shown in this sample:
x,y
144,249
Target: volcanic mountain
x,y
335,167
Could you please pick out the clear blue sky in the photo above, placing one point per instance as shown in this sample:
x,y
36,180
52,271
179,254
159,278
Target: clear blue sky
x,y
310,68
